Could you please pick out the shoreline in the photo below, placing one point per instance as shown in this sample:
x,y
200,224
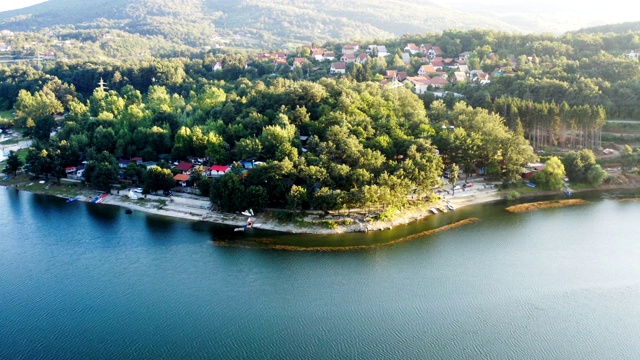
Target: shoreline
x,y
197,208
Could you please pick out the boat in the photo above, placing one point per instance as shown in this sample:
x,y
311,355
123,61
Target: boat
x,y
73,199
239,229
132,195
102,198
450,207
434,210
530,184
95,199
442,209
247,212
128,211
568,192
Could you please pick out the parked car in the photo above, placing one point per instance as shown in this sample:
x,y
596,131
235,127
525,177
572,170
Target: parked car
x,y
467,185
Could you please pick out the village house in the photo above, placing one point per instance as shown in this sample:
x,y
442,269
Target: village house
x,y
406,59
438,82
217,170
449,63
458,77
280,61
184,167
317,54
401,76
437,63
392,75
463,57
480,77
182,179
137,160
420,83
425,70
4,47
217,66
338,68
350,48
412,48
329,55
122,164
362,58
430,51
382,51
299,62
348,58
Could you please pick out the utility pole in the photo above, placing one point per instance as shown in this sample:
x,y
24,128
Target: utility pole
x,y
102,85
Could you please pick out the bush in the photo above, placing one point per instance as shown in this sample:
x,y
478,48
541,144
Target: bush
x,y
513,195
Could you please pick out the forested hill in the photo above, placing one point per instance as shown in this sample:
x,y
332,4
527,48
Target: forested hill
x,y
612,28
249,23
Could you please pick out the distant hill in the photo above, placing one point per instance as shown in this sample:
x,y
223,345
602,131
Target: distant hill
x,y
250,23
612,28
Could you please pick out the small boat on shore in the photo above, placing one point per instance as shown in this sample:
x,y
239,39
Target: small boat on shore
x,y
73,199
434,210
451,207
530,184
95,199
568,192
102,198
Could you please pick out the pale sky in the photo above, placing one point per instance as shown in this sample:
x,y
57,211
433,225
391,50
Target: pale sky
x,y
6,5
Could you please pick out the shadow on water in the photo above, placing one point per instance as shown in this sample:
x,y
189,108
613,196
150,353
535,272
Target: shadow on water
x,y
159,225
103,214
14,202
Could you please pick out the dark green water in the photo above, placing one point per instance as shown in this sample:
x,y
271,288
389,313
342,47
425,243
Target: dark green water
x,y
80,281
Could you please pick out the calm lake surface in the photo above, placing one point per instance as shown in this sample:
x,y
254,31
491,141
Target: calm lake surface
x,y
80,281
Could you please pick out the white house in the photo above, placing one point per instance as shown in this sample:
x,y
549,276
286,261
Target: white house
x,y
382,51
338,68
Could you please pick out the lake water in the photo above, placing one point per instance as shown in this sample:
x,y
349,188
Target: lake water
x,y
81,281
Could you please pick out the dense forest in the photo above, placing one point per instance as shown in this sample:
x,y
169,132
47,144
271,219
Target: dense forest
x,y
324,141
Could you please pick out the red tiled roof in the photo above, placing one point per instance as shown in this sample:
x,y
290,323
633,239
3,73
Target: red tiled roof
x,y
219,168
184,166
181,177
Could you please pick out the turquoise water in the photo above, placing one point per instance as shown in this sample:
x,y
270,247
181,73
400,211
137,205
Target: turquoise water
x,y
85,281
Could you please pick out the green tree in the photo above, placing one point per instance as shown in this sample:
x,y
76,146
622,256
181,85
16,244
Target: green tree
x,y
13,163
156,178
296,198
596,175
552,176
455,170
228,192
101,170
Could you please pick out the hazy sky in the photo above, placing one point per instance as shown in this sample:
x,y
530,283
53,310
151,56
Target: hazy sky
x,y
17,4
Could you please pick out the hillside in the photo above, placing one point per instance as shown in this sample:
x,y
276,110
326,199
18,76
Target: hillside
x,y
249,23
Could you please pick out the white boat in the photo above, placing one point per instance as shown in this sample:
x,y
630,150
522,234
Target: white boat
x,y
450,207
434,210
132,195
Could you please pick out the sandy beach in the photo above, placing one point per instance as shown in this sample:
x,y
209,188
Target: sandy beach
x,y
197,208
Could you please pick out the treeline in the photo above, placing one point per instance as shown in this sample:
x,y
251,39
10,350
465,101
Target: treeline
x,y
329,144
